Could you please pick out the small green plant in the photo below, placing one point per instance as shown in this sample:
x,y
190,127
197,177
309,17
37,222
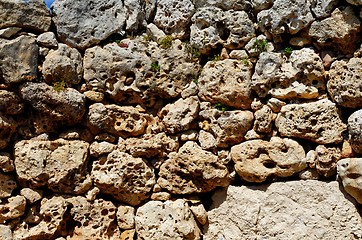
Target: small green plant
x,y
155,67
287,51
245,61
215,58
221,107
147,38
260,45
59,85
166,42
192,52
118,41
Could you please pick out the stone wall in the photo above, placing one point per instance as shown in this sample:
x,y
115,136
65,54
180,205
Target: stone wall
x,y
203,119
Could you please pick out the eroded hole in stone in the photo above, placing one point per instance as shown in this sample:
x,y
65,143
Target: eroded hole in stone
x,y
353,175
104,212
269,164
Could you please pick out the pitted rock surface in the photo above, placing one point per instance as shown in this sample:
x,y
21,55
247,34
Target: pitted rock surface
x,y
326,160
355,131
10,103
7,128
7,185
6,162
12,208
350,172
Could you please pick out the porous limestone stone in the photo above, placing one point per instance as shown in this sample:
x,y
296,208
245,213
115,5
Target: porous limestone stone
x,y
344,83
31,195
283,210
126,178
200,213
179,116
7,185
350,172
326,160
10,103
18,59
7,128
256,160
323,8
227,127
149,145
341,31
47,40
32,14
5,232
12,208
63,65
136,15
97,21
60,165
9,32
299,76
125,217
192,170
355,2
6,162
263,120
93,220
166,220
355,131
224,4
97,149
174,17
120,121
227,82
315,121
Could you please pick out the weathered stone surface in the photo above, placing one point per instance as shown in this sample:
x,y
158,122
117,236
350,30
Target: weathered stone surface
x,y
227,82
355,131
18,59
299,76
291,210
179,116
174,17
316,121
341,31
256,160
10,103
25,14
285,17
47,39
66,106
224,4
51,219
136,15
99,148
93,220
120,121
97,21
355,2
350,172
263,120
149,145
14,207
31,195
5,232
7,185
345,80
60,165
63,65
6,162
326,160
323,8
9,32
7,128
166,220
124,177
227,127
192,170
125,217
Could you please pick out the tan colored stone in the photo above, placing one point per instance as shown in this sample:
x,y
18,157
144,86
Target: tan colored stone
x,y
5,232
161,196
125,217
99,148
200,213
350,172
10,103
263,120
6,163
7,185
31,195
14,207
327,158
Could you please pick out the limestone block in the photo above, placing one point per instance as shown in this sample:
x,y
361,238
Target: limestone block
x,y
192,170
9,32
6,162
323,8
136,15
166,220
5,232
227,82
315,121
341,31
355,2
350,172
355,131
7,128
31,195
97,149
12,208
179,116
47,40
60,165
10,103
174,17
123,121
125,217
283,210
124,177
256,160
7,185
263,120
200,213
24,14
63,65
326,160
18,59
224,4
345,80
98,21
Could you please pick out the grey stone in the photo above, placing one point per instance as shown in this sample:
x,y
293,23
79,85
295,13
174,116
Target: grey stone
x,y
10,103
350,172
47,39
9,32
355,131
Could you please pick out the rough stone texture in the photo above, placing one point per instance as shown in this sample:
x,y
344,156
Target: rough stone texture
x,y
350,172
192,170
200,213
285,17
299,76
93,220
97,149
355,2
355,131
224,4
5,232
227,127
227,82
9,32
292,210
25,14
47,40
174,17
18,59
178,116
123,121
84,23
14,207
124,177
341,31
263,120
166,220
345,80
149,145
7,185
316,121
7,128
10,103
31,195
326,160
256,160
60,165
6,162
323,8
51,219
63,65
125,217
136,14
